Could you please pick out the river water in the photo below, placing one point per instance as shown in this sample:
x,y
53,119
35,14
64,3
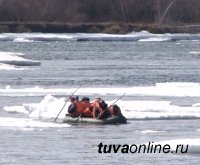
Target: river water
x,y
160,75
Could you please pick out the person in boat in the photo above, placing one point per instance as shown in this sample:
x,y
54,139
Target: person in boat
x,y
114,110
76,108
99,109
85,101
87,112
110,111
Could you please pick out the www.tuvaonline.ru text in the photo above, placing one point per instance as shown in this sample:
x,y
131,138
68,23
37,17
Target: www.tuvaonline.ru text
x,y
150,147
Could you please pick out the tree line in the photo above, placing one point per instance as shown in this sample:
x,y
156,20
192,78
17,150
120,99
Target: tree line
x,y
118,12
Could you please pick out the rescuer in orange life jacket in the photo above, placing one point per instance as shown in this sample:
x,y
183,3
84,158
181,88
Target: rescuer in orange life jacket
x,y
100,110
76,107
87,112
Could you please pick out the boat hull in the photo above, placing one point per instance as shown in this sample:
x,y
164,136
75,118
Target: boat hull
x,y
111,120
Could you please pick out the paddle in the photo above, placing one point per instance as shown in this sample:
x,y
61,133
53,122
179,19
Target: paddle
x,y
111,105
66,102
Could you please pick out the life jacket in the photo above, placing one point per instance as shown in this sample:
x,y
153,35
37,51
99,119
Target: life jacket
x,y
96,109
114,110
87,111
85,104
79,107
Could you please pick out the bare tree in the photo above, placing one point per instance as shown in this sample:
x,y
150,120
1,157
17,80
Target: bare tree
x,y
158,11
123,10
165,13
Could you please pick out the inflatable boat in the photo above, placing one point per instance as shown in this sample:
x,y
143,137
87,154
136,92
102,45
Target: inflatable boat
x,y
84,120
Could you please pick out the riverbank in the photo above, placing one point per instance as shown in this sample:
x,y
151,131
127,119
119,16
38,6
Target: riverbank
x,y
110,28
88,16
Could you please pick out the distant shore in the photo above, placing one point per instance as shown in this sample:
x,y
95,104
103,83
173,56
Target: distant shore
x,y
89,16
108,27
